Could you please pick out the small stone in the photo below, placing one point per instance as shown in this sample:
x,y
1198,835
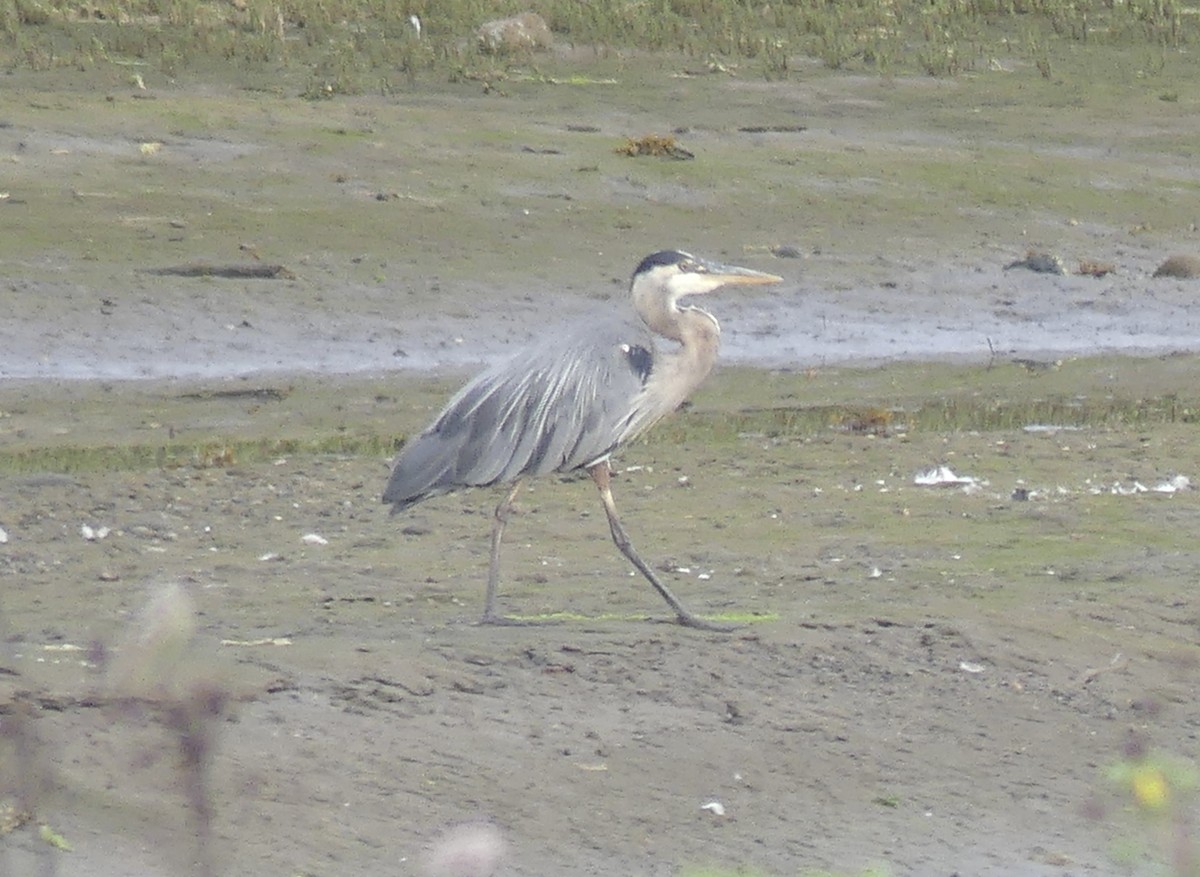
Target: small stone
x,y
1180,267
521,33
786,251
1041,262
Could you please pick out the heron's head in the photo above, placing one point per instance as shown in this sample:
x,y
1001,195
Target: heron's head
x,y
672,274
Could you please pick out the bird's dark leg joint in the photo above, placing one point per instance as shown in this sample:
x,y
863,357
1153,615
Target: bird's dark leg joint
x,y
502,513
601,474
504,510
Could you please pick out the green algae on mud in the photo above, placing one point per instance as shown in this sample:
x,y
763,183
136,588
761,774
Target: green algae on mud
x,y
722,617
134,424
445,207
761,457
447,164
753,515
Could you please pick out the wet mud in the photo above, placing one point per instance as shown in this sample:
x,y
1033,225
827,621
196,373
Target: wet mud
x,y
924,679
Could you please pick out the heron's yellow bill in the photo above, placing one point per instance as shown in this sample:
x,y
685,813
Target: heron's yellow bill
x,y
735,275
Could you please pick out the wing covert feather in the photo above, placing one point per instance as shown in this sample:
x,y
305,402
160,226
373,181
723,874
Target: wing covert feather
x,y
558,406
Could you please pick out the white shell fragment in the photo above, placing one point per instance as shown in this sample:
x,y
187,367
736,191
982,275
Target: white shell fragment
x,y
1129,489
1051,427
969,667
716,808
3,536
939,476
93,535
1173,485
314,539
468,850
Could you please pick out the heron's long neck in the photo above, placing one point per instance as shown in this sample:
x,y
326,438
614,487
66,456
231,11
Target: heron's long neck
x,y
677,373
660,313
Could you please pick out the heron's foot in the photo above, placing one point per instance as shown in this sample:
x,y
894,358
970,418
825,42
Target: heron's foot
x,y
502,620
687,619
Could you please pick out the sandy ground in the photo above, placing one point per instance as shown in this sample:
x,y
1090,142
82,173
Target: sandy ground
x,y
899,705
918,703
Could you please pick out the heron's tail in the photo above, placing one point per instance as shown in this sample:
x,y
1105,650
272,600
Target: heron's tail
x,y
401,505
424,468
403,490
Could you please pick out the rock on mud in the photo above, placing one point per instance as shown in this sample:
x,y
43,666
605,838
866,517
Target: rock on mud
x,y
1183,267
526,32
1042,263
1095,268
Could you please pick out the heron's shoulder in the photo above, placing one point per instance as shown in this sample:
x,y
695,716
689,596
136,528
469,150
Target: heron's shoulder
x,y
600,327
601,349
588,339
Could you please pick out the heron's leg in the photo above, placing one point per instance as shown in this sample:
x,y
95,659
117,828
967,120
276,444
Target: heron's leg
x,y
500,519
601,474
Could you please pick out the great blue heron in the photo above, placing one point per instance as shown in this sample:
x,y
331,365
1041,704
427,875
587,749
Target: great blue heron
x,y
569,402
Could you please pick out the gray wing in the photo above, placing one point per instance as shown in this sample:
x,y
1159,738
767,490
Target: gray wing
x,y
558,406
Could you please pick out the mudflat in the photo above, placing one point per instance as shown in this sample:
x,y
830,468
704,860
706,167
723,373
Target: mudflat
x,y
925,678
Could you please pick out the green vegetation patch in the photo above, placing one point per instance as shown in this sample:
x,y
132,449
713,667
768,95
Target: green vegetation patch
x,y
351,46
137,425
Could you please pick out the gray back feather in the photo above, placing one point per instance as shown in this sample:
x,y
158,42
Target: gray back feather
x,y
558,406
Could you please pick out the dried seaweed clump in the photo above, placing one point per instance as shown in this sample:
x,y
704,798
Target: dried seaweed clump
x,y
1092,268
663,146
865,421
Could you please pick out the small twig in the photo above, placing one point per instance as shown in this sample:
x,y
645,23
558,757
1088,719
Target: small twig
x,y
248,271
1119,662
